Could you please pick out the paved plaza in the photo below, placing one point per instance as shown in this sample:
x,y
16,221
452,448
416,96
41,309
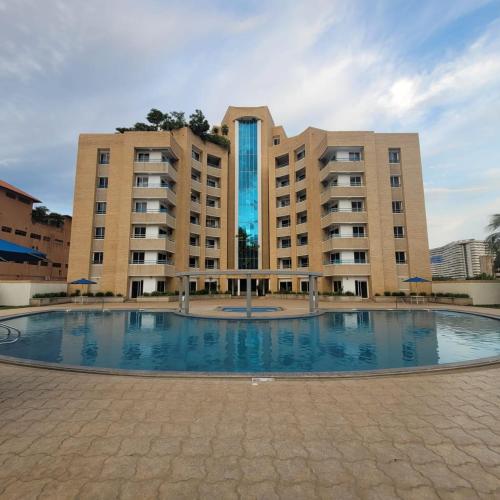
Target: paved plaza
x,y
67,435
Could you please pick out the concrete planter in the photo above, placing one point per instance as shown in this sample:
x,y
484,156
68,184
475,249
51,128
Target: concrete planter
x,y
175,298
340,298
48,301
384,299
287,296
451,300
96,300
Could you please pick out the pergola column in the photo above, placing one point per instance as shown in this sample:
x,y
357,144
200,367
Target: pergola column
x,y
249,296
311,294
186,294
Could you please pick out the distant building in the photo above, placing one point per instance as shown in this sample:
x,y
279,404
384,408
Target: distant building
x,y
17,226
461,259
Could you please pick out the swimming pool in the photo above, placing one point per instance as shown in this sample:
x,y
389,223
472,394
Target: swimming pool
x,y
331,342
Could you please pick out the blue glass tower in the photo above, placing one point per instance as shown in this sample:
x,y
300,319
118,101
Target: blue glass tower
x,y
248,195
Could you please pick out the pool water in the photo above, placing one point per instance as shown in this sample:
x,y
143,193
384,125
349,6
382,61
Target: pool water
x,y
332,342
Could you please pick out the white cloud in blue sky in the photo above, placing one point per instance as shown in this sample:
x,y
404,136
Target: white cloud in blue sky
x,y
395,66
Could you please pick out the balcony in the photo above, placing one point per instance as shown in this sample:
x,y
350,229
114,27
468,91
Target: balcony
x,y
280,171
303,249
300,164
155,167
334,167
212,231
196,185
346,269
195,207
283,231
152,244
282,211
399,218
194,228
153,217
194,250
214,171
152,268
213,211
284,252
154,192
282,191
401,244
212,252
343,215
333,192
300,185
196,164
345,243
301,206
301,228
213,191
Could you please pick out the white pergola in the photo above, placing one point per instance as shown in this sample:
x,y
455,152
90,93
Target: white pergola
x,y
248,274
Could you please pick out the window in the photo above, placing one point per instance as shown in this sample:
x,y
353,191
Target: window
x,y
334,232
358,231
213,161
47,238
276,140
195,197
195,175
137,257
302,218
210,243
283,181
10,195
399,232
284,242
139,232
58,264
212,202
102,183
354,156
213,182
357,206
164,232
302,239
282,161
394,156
360,257
6,229
395,181
335,258
97,257
100,207
99,233
141,206
284,201
397,207
304,286
285,286
160,286
400,257
59,241
193,262
212,222
300,175
103,157
194,219
286,263
19,232
161,258
211,264
301,196
303,261
300,154
194,240
142,181
195,155
143,157
284,222
337,286
355,180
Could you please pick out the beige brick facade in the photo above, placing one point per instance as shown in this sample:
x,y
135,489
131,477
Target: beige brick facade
x,y
171,198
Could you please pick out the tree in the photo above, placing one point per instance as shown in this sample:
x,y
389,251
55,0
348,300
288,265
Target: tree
x,y
144,127
224,129
493,238
215,130
156,117
178,119
39,214
198,123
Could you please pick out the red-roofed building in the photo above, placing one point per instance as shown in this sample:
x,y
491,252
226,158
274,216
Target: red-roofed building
x,y
50,236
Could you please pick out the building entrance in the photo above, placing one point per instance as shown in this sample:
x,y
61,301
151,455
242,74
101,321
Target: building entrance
x,y
258,287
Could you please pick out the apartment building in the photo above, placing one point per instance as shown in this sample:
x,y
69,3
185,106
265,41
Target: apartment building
x,y
462,259
17,226
347,204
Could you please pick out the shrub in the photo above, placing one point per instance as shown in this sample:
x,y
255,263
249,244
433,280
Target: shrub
x,y
88,294
119,294
377,295
99,294
146,294
109,294
387,294
349,294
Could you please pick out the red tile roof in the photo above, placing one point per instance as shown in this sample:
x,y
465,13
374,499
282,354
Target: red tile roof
x,y
10,187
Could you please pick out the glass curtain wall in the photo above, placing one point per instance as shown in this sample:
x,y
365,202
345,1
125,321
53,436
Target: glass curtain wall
x,y
248,196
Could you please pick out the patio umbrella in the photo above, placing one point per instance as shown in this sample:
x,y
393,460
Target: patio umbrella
x,y
11,252
417,280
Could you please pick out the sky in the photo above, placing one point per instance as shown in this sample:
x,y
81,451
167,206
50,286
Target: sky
x,y
432,67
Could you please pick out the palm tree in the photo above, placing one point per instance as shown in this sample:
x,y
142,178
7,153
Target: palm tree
x,y
493,238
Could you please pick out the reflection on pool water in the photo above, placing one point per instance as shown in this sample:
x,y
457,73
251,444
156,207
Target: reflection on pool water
x,y
337,341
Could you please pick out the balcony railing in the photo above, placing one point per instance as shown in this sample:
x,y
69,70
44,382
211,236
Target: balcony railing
x,y
344,261
153,261
340,236
335,209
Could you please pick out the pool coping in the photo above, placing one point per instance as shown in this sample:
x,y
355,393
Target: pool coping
x,y
270,376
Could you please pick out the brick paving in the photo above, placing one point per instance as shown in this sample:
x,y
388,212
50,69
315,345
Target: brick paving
x,y
73,435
